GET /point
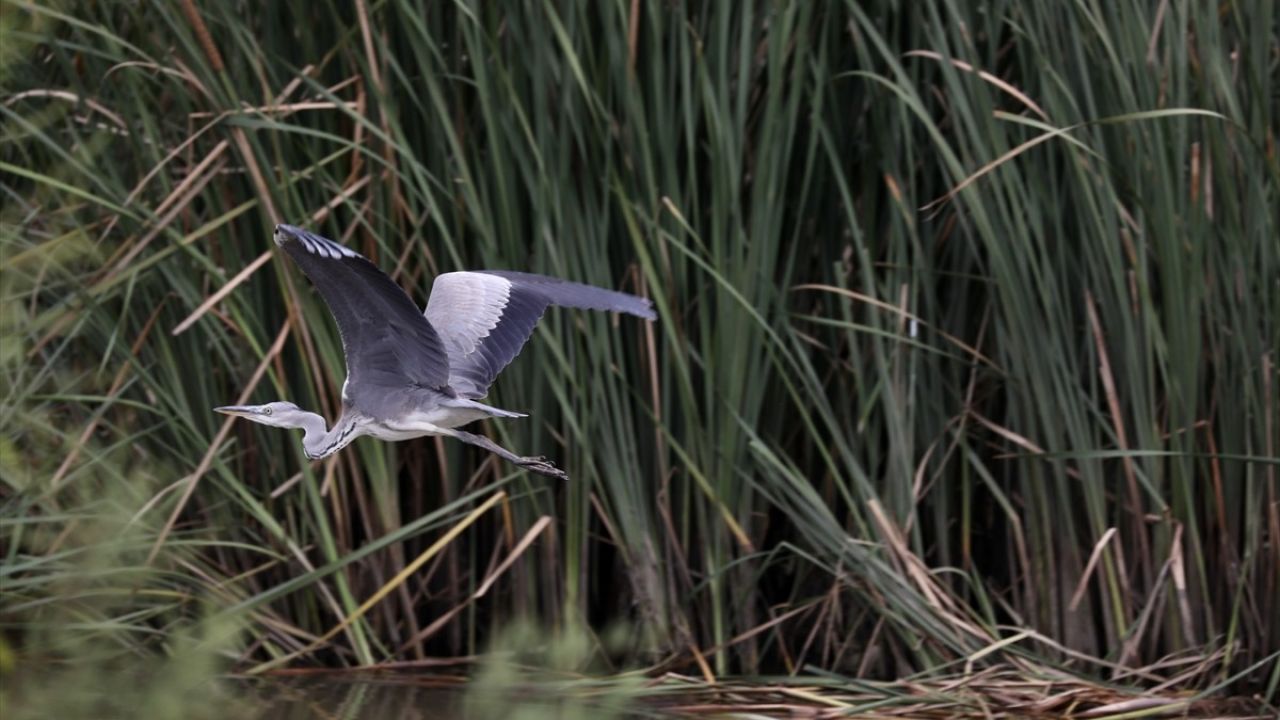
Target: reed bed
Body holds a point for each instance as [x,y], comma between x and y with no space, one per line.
[964,380]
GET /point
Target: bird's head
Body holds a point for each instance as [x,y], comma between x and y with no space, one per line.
[276,414]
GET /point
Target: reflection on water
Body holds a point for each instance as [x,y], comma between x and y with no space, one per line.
[363,697]
[401,696]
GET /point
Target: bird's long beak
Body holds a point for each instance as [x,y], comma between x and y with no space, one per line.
[238,410]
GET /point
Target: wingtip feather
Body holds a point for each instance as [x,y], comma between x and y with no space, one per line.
[315,244]
[646,310]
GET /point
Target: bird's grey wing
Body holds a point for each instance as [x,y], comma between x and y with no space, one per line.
[485,317]
[388,344]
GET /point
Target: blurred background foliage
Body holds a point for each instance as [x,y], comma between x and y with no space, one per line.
[966,353]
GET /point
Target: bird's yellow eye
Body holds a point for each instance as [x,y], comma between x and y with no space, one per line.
[266,411]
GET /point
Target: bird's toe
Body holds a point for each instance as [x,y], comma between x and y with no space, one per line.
[542,466]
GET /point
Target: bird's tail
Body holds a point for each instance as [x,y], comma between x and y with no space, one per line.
[469,404]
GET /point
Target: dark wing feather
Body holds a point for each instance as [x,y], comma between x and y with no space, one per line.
[576,295]
[486,317]
[389,345]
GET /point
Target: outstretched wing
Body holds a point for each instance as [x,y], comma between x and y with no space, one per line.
[486,317]
[388,344]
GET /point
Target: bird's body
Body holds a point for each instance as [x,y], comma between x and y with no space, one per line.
[413,373]
[432,415]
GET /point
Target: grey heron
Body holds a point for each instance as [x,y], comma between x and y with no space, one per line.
[413,373]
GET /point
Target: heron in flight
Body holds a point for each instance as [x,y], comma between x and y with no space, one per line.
[412,373]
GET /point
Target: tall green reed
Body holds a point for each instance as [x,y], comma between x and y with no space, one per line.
[967,322]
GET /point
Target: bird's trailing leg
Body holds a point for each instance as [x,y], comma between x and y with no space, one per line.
[539,465]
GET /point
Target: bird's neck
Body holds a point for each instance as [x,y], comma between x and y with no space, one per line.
[319,443]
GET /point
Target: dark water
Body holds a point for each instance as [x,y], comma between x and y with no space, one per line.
[365,697]
[393,696]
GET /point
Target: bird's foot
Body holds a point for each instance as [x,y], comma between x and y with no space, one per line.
[542,466]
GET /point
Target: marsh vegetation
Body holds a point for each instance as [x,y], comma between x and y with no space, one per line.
[963,392]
